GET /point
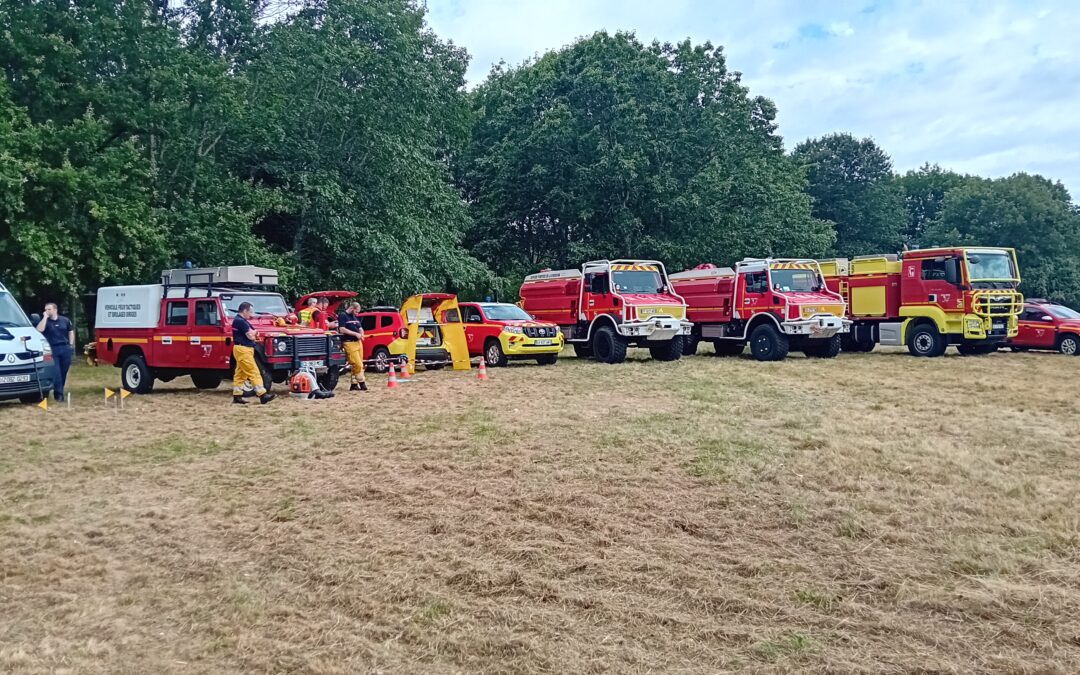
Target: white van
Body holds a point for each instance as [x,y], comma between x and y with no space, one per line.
[26,363]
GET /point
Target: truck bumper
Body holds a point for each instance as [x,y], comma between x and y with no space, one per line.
[657,329]
[522,345]
[978,327]
[817,326]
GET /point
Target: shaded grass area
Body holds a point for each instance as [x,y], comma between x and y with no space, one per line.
[874,513]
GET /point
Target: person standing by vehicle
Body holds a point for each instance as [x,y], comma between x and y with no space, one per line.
[352,341]
[322,318]
[60,335]
[307,314]
[243,352]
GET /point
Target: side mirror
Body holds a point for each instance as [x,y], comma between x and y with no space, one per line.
[35,318]
[1046,317]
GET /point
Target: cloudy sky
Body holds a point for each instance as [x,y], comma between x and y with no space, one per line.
[988,87]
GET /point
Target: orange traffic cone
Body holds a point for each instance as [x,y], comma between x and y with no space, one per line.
[404,371]
[392,382]
[482,373]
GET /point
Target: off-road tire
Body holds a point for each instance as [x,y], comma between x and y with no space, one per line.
[690,344]
[381,357]
[1069,345]
[583,350]
[608,346]
[925,340]
[729,347]
[768,344]
[135,376]
[493,354]
[206,380]
[667,350]
[822,348]
[548,359]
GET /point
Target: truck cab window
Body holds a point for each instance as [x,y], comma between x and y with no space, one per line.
[757,282]
[472,315]
[206,313]
[933,270]
[177,314]
[598,283]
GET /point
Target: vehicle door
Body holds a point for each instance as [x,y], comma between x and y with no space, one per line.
[598,296]
[172,348]
[206,340]
[1036,329]
[474,333]
[938,284]
[754,294]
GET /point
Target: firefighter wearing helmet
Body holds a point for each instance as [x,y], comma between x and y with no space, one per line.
[243,353]
[352,341]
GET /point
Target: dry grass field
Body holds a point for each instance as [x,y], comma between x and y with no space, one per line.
[877,513]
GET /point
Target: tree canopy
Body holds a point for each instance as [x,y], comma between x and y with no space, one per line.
[335,140]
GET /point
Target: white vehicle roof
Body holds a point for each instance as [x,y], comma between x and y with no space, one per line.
[704,274]
[554,274]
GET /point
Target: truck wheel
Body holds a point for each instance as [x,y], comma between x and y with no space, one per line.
[206,380]
[493,354]
[381,356]
[1069,345]
[925,340]
[329,380]
[668,350]
[767,343]
[690,344]
[583,350]
[547,359]
[135,376]
[609,346]
[728,347]
[822,348]
[848,343]
[866,347]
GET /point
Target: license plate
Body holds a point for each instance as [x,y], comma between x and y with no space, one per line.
[11,379]
[316,364]
[998,325]
[542,343]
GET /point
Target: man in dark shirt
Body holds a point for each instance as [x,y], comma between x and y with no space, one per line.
[352,342]
[60,335]
[243,352]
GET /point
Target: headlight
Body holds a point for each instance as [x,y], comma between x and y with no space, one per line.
[518,330]
[281,345]
[974,324]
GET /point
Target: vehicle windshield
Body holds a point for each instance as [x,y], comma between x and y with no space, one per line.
[1063,312]
[505,313]
[993,266]
[262,304]
[638,281]
[795,281]
[11,315]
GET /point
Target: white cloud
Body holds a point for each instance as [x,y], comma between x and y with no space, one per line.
[990,88]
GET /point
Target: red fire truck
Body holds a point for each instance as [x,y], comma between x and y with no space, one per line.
[183,326]
[775,305]
[609,305]
[928,299]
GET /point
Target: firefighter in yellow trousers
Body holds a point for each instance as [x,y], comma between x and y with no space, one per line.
[352,341]
[243,353]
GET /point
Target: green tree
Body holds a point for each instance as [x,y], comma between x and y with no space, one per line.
[610,148]
[852,184]
[924,193]
[1029,213]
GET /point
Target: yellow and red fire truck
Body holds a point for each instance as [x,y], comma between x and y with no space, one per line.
[928,299]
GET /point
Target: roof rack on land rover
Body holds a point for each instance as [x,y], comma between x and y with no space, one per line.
[228,277]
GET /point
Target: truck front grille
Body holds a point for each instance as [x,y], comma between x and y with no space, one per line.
[310,345]
[540,331]
[997,303]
